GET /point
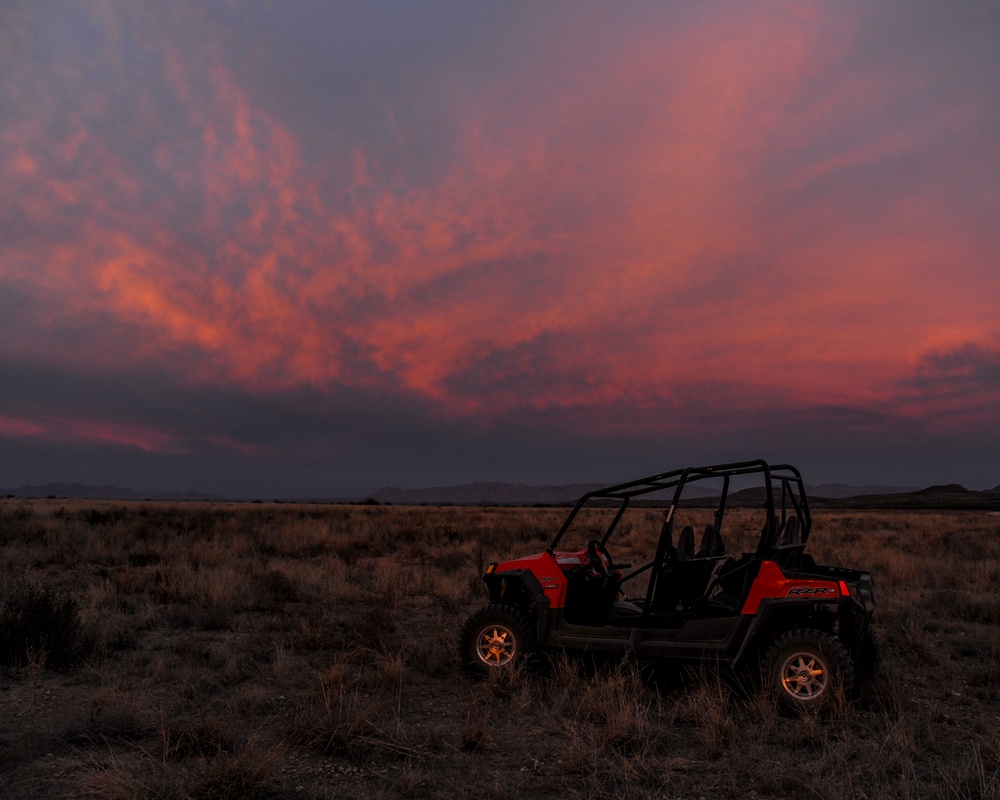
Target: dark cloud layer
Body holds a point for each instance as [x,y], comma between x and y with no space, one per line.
[309,248]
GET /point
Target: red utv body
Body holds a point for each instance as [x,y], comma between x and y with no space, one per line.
[806,626]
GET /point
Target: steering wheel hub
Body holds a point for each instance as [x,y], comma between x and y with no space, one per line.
[600,559]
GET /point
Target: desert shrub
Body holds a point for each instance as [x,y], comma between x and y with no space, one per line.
[38,622]
[274,588]
[204,736]
[342,720]
[451,560]
[251,772]
[108,633]
[98,516]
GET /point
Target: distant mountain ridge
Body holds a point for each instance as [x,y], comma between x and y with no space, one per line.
[502,493]
[840,490]
[950,496]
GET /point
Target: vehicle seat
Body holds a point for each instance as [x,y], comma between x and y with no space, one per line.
[791,533]
[685,544]
[731,582]
[626,608]
[711,543]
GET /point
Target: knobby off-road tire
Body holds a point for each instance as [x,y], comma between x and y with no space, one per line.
[497,637]
[867,659]
[805,669]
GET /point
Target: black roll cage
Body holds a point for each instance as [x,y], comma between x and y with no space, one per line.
[781,476]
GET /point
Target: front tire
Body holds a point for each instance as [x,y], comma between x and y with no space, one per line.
[496,637]
[805,669]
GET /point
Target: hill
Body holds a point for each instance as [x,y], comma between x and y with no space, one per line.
[950,497]
[838,490]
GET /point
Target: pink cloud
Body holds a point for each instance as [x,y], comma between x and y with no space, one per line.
[141,437]
[114,432]
[13,426]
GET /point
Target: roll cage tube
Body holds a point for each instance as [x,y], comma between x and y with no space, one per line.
[785,475]
[792,493]
[624,492]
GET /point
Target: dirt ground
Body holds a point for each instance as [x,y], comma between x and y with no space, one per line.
[309,652]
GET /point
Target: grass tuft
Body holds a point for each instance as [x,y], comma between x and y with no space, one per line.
[38,625]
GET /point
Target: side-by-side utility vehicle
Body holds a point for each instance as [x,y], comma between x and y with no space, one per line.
[806,627]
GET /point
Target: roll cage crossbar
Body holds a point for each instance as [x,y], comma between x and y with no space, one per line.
[784,477]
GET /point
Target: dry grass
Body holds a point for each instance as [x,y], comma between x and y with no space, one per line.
[275,650]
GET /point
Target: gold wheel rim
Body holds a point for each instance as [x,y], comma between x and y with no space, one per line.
[804,676]
[495,645]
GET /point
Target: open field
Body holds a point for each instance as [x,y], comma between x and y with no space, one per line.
[256,650]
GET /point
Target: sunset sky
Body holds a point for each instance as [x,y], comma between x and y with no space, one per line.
[309,248]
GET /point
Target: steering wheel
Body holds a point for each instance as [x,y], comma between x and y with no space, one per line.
[594,548]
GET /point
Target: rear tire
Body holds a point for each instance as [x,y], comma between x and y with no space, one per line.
[868,659]
[869,653]
[805,669]
[496,637]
